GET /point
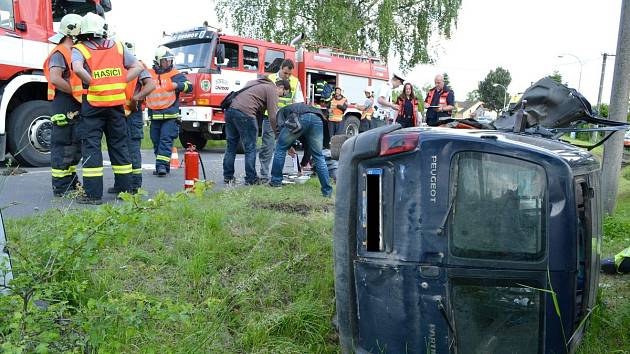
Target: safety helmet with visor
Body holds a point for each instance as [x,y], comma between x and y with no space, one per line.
[94,24]
[70,26]
[163,52]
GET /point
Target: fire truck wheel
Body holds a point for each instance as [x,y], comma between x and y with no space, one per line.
[194,138]
[335,145]
[351,126]
[29,128]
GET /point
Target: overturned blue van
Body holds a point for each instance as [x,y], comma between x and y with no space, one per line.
[458,241]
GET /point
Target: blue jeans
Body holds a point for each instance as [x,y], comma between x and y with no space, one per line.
[239,126]
[266,149]
[313,131]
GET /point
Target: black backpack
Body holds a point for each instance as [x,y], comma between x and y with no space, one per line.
[227,100]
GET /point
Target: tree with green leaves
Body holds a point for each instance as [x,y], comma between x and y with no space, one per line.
[556,76]
[447,80]
[491,91]
[472,96]
[375,27]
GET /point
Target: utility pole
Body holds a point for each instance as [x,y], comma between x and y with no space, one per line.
[601,79]
[618,111]
[601,88]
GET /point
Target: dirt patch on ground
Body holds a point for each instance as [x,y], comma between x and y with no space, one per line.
[291,207]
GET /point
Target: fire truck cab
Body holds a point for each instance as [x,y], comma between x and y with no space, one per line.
[25,26]
[217,64]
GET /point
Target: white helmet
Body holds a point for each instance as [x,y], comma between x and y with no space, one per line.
[162,52]
[70,26]
[93,24]
[369,89]
[399,76]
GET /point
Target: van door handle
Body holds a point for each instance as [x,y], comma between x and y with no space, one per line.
[238,82]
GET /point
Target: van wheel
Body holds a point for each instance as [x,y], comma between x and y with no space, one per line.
[29,129]
[336,142]
[352,125]
[194,138]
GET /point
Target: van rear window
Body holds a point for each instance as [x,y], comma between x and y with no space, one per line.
[498,207]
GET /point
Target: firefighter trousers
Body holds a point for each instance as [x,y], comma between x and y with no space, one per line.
[65,146]
[135,134]
[94,122]
[163,133]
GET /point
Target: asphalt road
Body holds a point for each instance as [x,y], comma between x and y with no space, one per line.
[30,192]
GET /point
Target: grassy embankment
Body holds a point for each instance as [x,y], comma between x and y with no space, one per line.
[239,271]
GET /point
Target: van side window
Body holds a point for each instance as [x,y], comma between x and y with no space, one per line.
[250,58]
[498,208]
[231,53]
[7,17]
[273,59]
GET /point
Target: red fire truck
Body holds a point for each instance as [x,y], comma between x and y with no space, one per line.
[25,26]
[217,64]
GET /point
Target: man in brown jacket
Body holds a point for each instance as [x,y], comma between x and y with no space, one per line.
[241,124]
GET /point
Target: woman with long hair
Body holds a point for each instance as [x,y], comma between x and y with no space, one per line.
[407,107]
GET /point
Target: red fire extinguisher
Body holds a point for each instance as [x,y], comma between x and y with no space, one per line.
[191,161]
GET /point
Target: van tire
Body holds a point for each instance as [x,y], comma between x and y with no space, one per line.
[335,145]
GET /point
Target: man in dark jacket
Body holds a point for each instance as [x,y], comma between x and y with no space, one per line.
[439,103]
[294,121]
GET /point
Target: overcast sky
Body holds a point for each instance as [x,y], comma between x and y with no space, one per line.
[522,37]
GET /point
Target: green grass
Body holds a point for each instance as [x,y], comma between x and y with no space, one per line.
[148,145]
[245,270]
[240,271]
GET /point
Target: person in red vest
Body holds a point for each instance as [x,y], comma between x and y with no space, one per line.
[105,67]
[439,103]
[65,147]
[163,104]
[407,107]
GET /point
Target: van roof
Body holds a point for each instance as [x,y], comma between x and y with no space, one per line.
[577,158]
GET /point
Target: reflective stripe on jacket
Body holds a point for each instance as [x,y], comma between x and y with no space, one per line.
[369,112]
[164,94]
[130,91]
[336,114]
[109,76]
[293,82]
[74,80]
[442,101]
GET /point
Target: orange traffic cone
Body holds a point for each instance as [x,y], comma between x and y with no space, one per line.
[174,159]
